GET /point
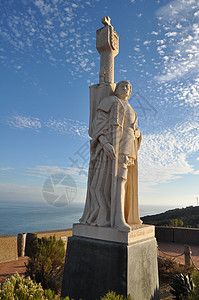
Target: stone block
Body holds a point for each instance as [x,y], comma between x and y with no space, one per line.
[138,232]
[8,248]
[93,267]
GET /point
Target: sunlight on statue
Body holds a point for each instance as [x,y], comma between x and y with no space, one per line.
[112,195]
[112,191]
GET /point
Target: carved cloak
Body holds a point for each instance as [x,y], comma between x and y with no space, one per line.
[102,175]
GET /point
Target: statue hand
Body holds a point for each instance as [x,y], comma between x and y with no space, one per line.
[109,150]
[137,133]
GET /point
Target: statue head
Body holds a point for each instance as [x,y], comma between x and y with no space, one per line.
[123,89]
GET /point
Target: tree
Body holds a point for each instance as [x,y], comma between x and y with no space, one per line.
[176,223]
[46,262]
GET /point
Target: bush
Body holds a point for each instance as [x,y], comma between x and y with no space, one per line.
[113,296]
[176,223]
[182,287]
[195,293]
[17,287]
[46,262]
[169,268]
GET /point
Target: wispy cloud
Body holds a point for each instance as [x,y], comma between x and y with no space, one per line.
[40,29]
[182,43]
[6,169]
[43,171]
[49,170]
[179,50]
[69,127]
[164,156]
[19,121]
[17,192]
[64,126]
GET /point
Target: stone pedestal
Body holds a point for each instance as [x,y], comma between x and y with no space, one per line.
[105,259]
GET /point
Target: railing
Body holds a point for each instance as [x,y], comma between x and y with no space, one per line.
[187,256]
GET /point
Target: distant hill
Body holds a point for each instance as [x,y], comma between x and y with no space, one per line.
[189,216]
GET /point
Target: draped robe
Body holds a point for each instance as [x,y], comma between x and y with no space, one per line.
[103,172]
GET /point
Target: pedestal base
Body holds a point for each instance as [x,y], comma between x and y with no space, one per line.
[93,267]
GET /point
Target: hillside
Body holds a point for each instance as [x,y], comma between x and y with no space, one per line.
[189,216]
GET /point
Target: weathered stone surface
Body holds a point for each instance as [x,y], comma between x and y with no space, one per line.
[8,242]
[143,283]
[94,267]
[112,189]
[138,232]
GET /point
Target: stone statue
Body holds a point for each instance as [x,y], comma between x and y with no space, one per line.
[112,191]
[111,208]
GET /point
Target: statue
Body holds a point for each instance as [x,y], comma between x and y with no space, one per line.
[112,191]
[109,248]
[112,194]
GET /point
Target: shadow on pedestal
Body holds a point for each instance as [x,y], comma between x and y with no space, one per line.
[94,267]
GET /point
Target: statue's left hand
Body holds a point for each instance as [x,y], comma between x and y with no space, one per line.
[137,133]
[109,150]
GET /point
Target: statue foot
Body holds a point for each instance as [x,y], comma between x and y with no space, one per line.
[123,226]
[82,221]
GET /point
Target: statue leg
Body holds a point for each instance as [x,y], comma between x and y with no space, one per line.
[132,207]
[120,221]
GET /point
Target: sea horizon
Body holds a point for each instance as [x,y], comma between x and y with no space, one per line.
[23,217]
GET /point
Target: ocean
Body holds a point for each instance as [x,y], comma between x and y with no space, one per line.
[23,217]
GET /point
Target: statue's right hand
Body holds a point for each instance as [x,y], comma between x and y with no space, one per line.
[109,150]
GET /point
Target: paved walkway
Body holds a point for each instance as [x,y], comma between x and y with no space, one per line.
[9,268]
[176,249]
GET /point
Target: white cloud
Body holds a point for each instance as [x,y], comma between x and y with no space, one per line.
[164,156]
[64,126]
[43,171]
[183,46]
[180,58]
[6,169]
[61,28]
[17,192]
[146,42]
[68,127]
[168,34]
[177,9]
[20,121]
[154,32]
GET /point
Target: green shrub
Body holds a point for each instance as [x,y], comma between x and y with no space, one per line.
[195,294]
[17,287]
[113,296]
[182,286]
[169,268]
[46,262]
[176,223]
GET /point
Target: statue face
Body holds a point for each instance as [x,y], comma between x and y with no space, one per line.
[123,90]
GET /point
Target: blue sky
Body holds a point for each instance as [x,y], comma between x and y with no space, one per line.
[48,60]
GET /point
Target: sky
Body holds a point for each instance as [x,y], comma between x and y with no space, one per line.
[49,60]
